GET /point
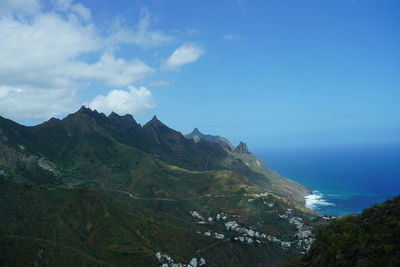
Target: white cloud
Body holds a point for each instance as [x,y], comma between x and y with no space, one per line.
[183,55]
[113,71]
[44,54]
[133,101]
[31,52]
[35,103]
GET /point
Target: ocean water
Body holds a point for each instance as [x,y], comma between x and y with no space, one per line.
[344,180]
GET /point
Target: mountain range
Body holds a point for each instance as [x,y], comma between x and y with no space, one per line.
[92,189]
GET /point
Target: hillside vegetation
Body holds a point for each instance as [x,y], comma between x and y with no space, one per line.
[369,239]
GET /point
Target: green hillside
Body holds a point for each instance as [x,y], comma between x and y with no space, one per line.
[106,190]
[84,224]
[369,239]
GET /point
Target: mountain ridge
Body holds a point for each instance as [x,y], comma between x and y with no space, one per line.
[150,170]
[155,138]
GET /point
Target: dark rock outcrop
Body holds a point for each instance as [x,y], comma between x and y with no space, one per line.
[242,148]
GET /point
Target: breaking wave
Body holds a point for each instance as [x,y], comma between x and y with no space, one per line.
[315,200]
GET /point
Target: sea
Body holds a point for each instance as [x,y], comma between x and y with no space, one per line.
[343,179]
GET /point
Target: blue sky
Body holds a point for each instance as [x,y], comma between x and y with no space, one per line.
[271,73]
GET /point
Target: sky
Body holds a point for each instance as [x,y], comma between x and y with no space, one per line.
[273,73]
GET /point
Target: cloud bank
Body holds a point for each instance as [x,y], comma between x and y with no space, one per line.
[49,54]
[133,101]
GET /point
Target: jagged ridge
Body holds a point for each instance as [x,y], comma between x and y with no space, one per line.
[56,139]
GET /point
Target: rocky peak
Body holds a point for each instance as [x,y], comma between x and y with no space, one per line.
[114,116]
[198,135]
[161,133]
[242,148]
[84,109]
[85,116]
[53,121]
[195,135]
[196,131]
[125,120]
[154,122]
[88,111]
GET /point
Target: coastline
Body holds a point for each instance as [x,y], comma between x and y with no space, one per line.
[336,205]
[345,180]
[315,200]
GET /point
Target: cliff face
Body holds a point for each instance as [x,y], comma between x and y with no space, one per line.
[242,148]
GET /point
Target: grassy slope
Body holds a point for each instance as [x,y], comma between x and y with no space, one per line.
[86,222]
[278,184]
